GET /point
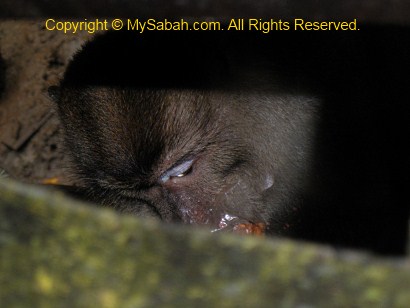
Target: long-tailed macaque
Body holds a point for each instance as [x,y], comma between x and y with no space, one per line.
[298,134]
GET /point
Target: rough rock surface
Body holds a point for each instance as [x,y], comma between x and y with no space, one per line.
[58,253]
[33,59]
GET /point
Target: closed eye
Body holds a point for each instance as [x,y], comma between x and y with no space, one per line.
[178,171]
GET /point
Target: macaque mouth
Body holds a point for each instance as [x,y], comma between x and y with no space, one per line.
[240,226]
[223,222]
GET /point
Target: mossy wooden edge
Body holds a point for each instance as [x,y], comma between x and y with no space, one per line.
[55,252]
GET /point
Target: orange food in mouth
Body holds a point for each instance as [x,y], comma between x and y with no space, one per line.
[250,228]
[239,225]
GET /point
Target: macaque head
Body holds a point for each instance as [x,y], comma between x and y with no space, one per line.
[163,137]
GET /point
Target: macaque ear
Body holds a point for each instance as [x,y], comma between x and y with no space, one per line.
[54,93]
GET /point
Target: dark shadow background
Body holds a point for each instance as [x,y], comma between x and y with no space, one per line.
[363,149]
